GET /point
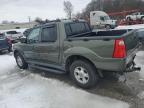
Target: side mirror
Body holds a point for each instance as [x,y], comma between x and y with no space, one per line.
[23,40]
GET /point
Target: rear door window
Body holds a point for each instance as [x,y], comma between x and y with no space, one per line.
[33,37]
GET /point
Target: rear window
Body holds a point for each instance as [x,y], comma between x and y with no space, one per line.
[27,32]
[76,28]
[141,33]
[11,32]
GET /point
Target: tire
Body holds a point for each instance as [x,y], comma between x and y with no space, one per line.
[21,63]
[88,74]
[10,49]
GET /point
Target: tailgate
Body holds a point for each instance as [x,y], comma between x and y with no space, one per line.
[132,43]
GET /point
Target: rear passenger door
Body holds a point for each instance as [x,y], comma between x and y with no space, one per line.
[48,48]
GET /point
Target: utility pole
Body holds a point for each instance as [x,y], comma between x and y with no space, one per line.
[101,5]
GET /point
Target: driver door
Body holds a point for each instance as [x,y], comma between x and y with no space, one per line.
[32,39]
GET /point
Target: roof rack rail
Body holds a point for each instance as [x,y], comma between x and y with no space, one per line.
[47,21]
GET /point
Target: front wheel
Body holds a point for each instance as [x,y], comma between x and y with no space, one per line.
[20,61]
[83,74]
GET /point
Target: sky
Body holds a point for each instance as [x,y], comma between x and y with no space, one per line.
[19,10]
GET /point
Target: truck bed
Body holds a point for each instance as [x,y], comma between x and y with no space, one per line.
[102,44]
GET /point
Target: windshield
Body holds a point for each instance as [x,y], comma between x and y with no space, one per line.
[106,17]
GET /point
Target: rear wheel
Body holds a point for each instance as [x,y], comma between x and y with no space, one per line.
[108,27]
[21,63]
[83,74]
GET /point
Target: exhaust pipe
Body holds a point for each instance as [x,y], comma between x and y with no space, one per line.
[132,68]
[137,68]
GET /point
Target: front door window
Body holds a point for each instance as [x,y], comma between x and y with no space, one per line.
[34,36]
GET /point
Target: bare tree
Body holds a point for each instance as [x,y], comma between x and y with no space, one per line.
[68,8]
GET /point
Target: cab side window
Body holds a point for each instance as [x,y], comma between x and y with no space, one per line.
[49,34]
[33,37]
[102,18]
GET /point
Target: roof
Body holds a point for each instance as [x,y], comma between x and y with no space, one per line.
[98,13]
[58,21]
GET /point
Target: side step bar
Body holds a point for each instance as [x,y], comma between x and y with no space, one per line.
[47,69]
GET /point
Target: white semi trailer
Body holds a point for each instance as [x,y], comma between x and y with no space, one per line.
[100,19]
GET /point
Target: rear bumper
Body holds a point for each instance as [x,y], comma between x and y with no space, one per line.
[124,64]
[5,48]
[117,65]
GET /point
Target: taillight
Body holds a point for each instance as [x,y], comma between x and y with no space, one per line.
[120,49]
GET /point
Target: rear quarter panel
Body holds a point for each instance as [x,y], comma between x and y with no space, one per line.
[100,52]
[102,49]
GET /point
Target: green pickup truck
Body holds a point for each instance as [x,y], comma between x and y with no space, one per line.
[70,46]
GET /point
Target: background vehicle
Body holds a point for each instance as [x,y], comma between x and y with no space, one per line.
[14,36]
[5,43]
[26,32]
[140,34]
[102,20]
[135,16]
[70,46]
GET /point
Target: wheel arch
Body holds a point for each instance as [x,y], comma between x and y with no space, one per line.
[18,51]
[15,52]
[73,58]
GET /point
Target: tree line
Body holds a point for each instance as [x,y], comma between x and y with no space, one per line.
[108,6]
